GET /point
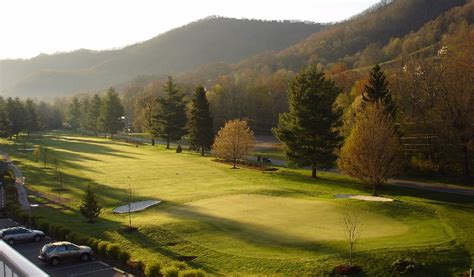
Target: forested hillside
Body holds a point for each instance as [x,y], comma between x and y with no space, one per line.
[256,87]
[203,42]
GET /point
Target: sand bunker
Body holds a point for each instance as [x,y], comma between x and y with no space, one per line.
[364,197]
[136,206]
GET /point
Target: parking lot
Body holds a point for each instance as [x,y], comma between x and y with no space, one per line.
[93,268]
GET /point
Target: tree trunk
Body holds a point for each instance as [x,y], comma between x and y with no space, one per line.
[202,151]
[152,140]
[350,253]
[465,152]
[374,192]
[235,160]
[313,170]
[167,143]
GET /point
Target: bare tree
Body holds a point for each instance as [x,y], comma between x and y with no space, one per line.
[234,141]
[352,228]
[146,108]
[372,152]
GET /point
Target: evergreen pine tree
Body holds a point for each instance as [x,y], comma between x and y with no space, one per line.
[85,106]
[74,114]
[93,114]
[90,208]
[17,115]
[31,123]
[5,123]
[377,91]
[200,122]
[308,130]
[170,119]
[111,113]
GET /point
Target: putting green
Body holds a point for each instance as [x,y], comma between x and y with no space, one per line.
[251,224]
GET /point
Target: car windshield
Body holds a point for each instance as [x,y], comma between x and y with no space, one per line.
[47,249]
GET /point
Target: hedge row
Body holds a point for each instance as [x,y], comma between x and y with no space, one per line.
[105,249]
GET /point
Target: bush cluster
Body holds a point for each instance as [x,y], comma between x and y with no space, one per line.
[344,270]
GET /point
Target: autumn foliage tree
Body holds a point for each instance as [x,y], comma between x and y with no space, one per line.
[234,141]
[372,152]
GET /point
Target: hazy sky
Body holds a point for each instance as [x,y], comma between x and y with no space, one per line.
[31,27]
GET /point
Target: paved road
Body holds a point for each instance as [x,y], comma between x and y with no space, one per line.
[93,268]
[22,195]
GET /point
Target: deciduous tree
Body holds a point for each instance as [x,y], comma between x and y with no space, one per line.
[234,141]
[372,152]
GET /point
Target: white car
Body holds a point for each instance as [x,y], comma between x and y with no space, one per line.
[14,234]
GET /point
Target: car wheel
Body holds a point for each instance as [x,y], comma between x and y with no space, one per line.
[54,261]
[11,241]
[37,238]
[85,257]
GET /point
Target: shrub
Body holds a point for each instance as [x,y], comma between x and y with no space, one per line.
[78,238]
[170,271]
[43,225]
[63,233]
[153,270]
[179,149]
[346,270]
[23,217]
[102,248]
[404,266]
[138,265]
[179,265]
[123,256]
[112,251]
[92,242]
[192,273]
[10,190]
[35,219]
[56,230]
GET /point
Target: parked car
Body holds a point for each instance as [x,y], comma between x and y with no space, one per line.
[56,252]
[14,234]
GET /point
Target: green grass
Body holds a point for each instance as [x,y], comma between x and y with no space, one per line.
[244,222]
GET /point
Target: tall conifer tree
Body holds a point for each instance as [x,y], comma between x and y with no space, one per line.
[308,130]
[93,114]
[17,115]
[5,123]
[170,119]
[377,90]
[31,123]
[74,114]
[90,208]
[111,113]
[200,122]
